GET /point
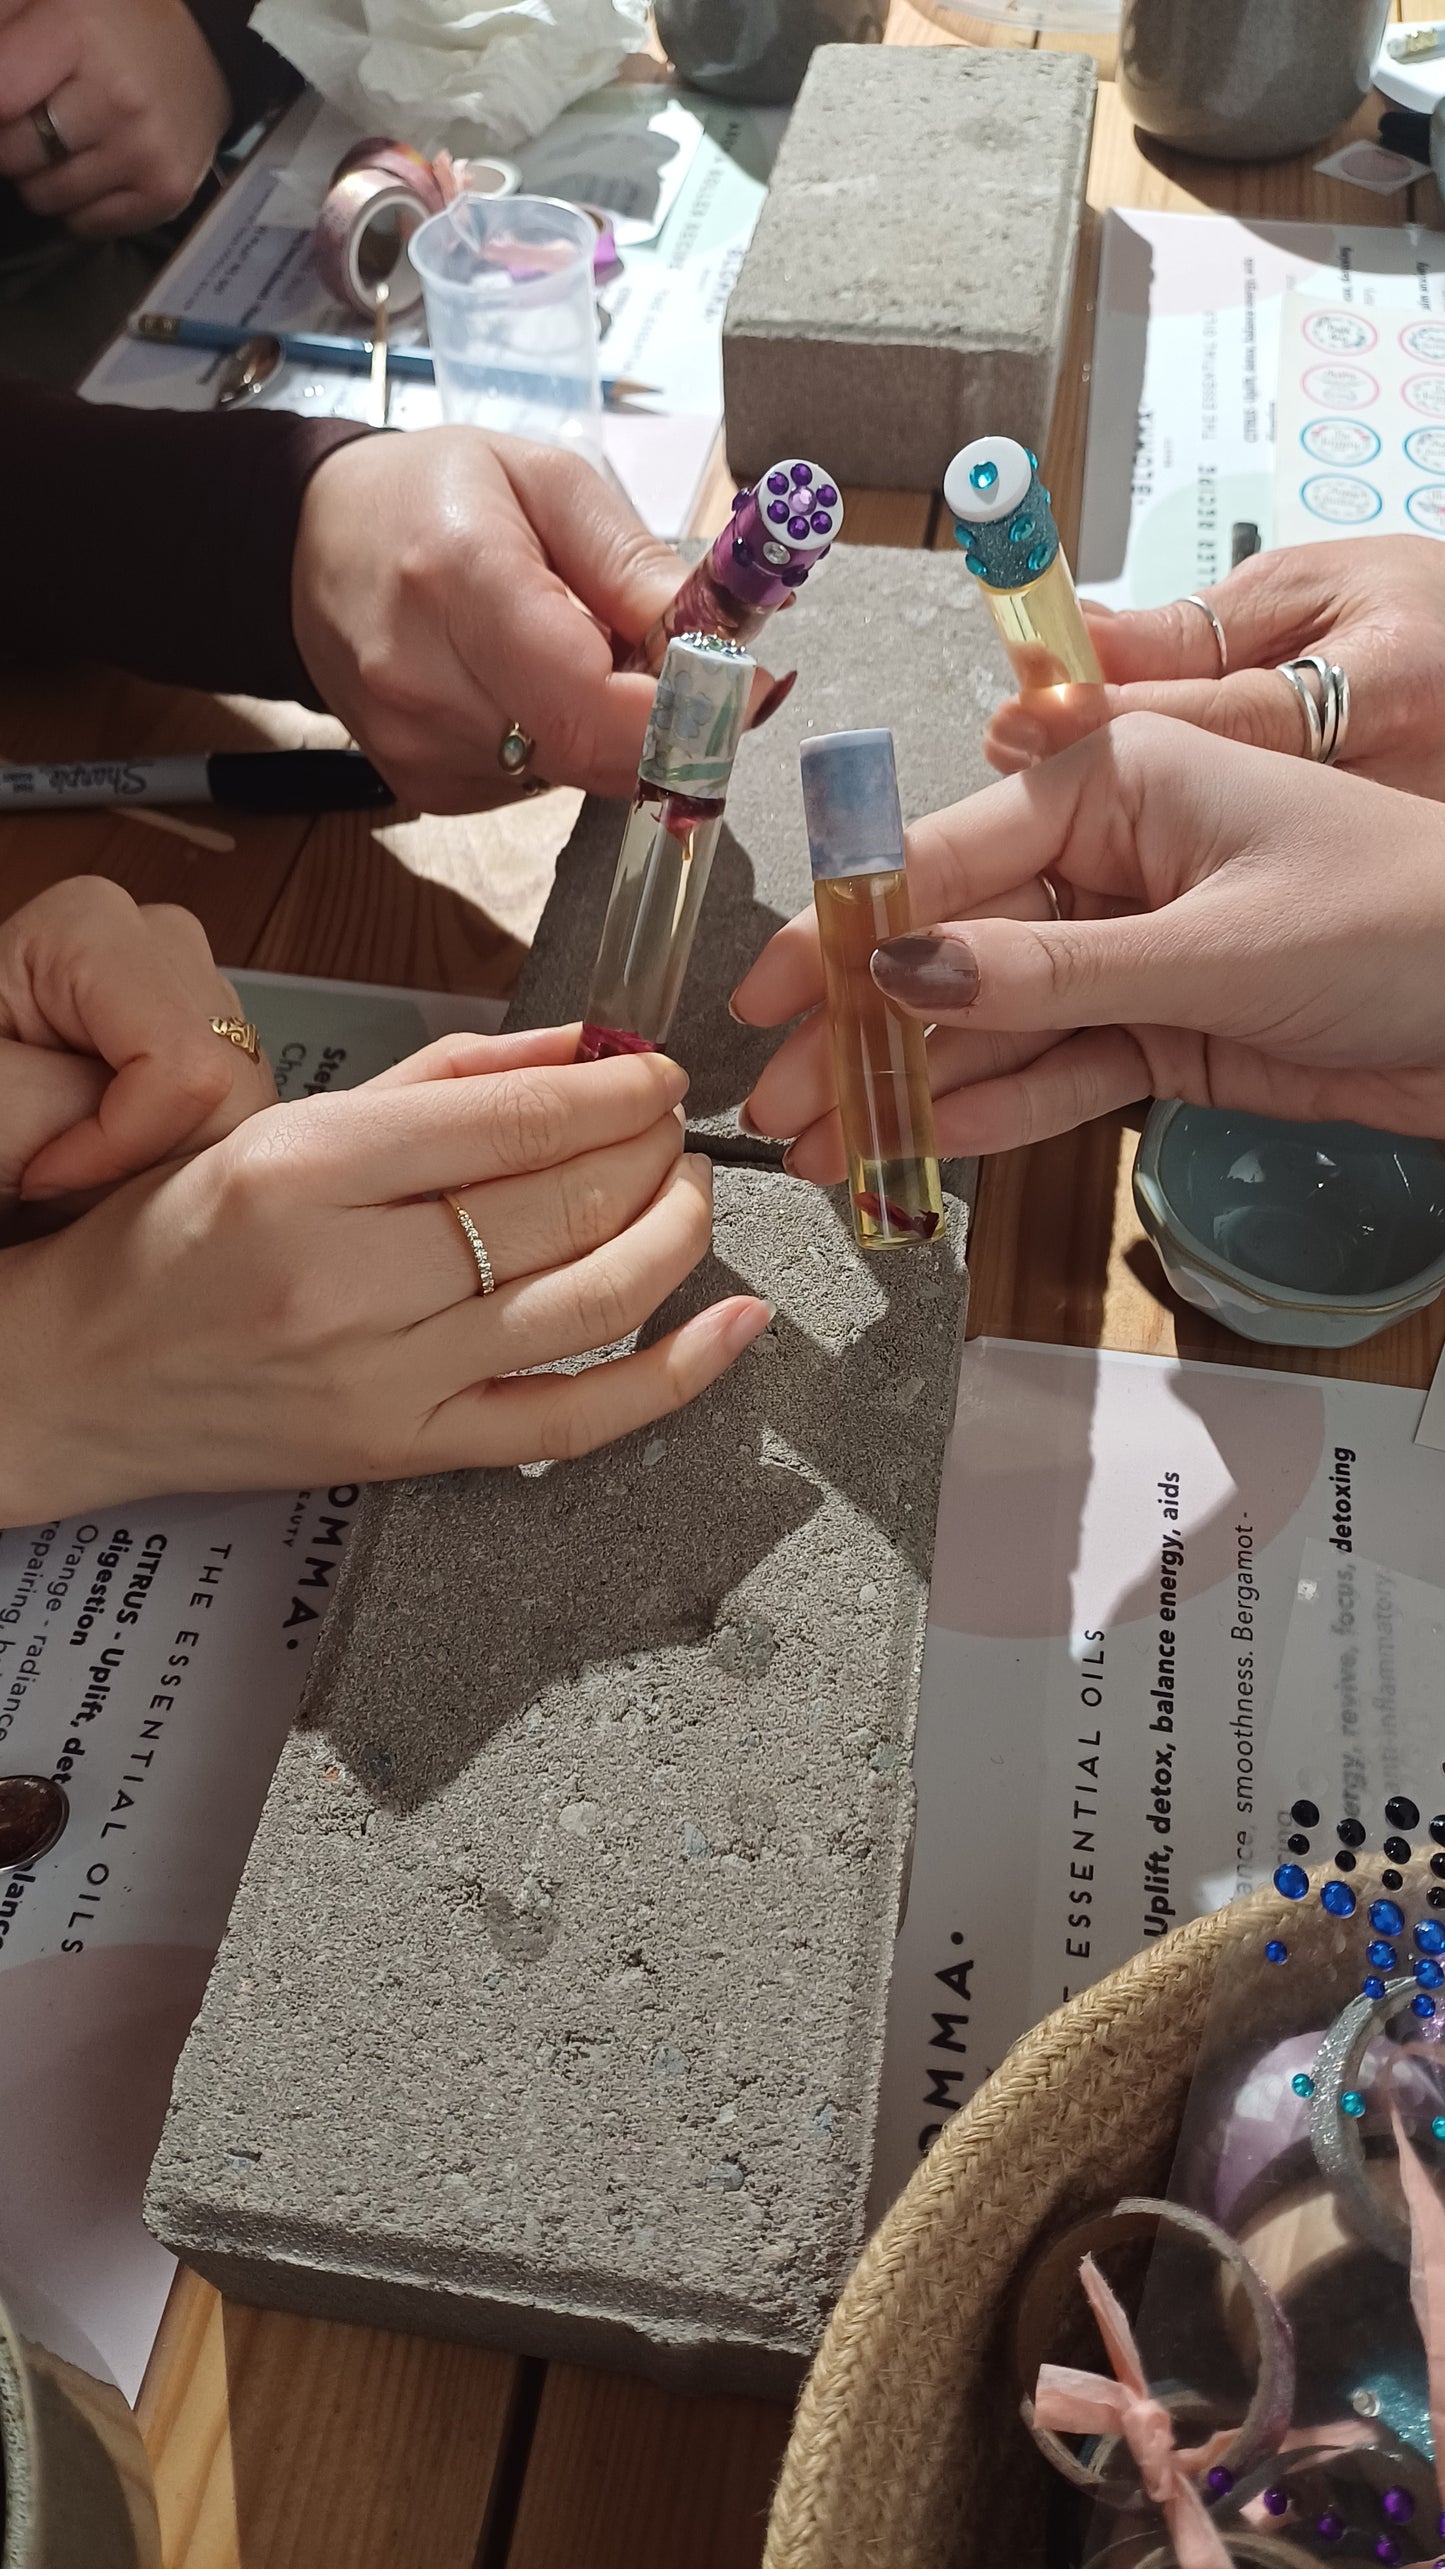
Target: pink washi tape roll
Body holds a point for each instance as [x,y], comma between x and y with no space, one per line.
[400,161]
[361,239]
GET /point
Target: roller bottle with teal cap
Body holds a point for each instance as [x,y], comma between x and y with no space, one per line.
[1004,522]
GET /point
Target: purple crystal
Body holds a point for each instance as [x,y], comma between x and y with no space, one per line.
[738,499]
[821,522]
[1330,2527]
[802,475]
[777,481]
[1219,2482]
[1398,2505]
[798,527]
[1275,2501]
[793,579]
[778,512]
[825,495]
[1388,2550]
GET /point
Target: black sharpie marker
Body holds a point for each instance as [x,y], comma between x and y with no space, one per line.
[264,780]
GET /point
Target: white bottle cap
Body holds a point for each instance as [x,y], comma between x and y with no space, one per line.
[697,716]
[988,480]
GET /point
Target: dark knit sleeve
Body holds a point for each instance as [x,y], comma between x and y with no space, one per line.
[157,540]
[257,77]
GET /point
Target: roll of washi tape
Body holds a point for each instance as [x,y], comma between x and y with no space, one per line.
[486,178]
[361,240]
[399,161]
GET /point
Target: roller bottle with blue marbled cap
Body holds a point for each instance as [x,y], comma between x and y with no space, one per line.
[667,847]
[1003,520]
[860,894]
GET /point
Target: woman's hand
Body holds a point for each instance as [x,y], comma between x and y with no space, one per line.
[108,1060]
[448,584]
[1237,930]
[135,96]
[1376,605]
[296,1305]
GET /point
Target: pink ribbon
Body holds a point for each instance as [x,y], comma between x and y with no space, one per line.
[1072,2402]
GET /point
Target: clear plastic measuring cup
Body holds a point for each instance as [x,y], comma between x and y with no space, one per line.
[512,317]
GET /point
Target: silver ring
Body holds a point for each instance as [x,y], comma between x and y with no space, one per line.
[1215,626]
[52,142]
[1323,694]
[486,1281]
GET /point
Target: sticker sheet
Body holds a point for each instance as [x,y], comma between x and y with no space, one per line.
[1361,422]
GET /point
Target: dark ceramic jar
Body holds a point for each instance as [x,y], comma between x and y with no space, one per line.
[758,50]
[1246,80]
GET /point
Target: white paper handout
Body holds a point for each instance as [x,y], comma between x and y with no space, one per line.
[1182,428]
[152,1658]
[1361,445]
[1119,1548]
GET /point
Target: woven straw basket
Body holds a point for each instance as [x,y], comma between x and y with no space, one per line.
[908,2451]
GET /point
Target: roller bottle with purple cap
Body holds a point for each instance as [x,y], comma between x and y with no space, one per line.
[778,532]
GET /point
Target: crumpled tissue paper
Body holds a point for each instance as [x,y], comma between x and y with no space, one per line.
[467,75]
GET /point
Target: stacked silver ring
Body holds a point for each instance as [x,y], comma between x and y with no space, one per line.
[1323,691]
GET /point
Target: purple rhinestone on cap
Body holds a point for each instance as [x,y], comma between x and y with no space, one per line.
[1388,2550]
[778,482]
[1329,2526]
[821,522]
[1275,2501]
[825,495]
[1397,2504]
[802,475]
[778,512]
[1219,2482]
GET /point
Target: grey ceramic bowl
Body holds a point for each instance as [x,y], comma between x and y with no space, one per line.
[1300,1235]
[1246,80]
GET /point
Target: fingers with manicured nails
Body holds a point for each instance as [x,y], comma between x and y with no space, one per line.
[529,1224]
[591,1302]
[403,1142]
[543,1418]
[478,1056]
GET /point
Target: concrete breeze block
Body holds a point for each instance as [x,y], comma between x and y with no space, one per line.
[551,2009]
[908,284]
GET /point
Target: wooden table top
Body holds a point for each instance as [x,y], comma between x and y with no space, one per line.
[286,2443]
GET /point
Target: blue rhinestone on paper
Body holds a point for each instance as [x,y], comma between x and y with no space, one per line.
[1380,1956]
[1339,1899]
[1387,1917]
[1430,1936]
[1429,1974]
[1292,1882]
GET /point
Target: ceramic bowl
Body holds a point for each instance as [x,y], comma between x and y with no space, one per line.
[1299,1235]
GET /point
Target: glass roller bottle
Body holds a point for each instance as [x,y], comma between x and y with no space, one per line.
[667,846]
[860,894]
[778,532]
[1004,522]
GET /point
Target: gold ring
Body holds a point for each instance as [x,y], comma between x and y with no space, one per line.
[486,1281]
[514,756]
[240,1032]
[52,143]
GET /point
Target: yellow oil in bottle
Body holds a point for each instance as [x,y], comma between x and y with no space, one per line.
[882,1067]
[1043,632]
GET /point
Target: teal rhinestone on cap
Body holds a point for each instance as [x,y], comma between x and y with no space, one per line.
[984,475]
[1020,531]
[1039,558]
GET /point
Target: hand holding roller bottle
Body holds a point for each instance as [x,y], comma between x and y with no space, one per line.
[778,532]
[1004,522]
[667,847]
[860,894]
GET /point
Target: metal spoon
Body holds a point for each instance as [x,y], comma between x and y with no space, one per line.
[248,370]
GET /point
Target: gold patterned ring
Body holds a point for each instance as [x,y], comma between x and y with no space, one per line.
[240,1032]
[486,1281]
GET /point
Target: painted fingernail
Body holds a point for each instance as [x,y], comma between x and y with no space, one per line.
[927,972]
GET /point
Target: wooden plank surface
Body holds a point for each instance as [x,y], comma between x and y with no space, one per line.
[286,2443]
[625,2476]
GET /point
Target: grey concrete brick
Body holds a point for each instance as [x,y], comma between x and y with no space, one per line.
[551,2009]
[908,284]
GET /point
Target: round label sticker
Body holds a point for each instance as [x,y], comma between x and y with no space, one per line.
[1340,334]
[1427,507]
[1426,447]
[1340,387]
[1341,499]
[1342,441]
[1427,393]
[1425,340]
